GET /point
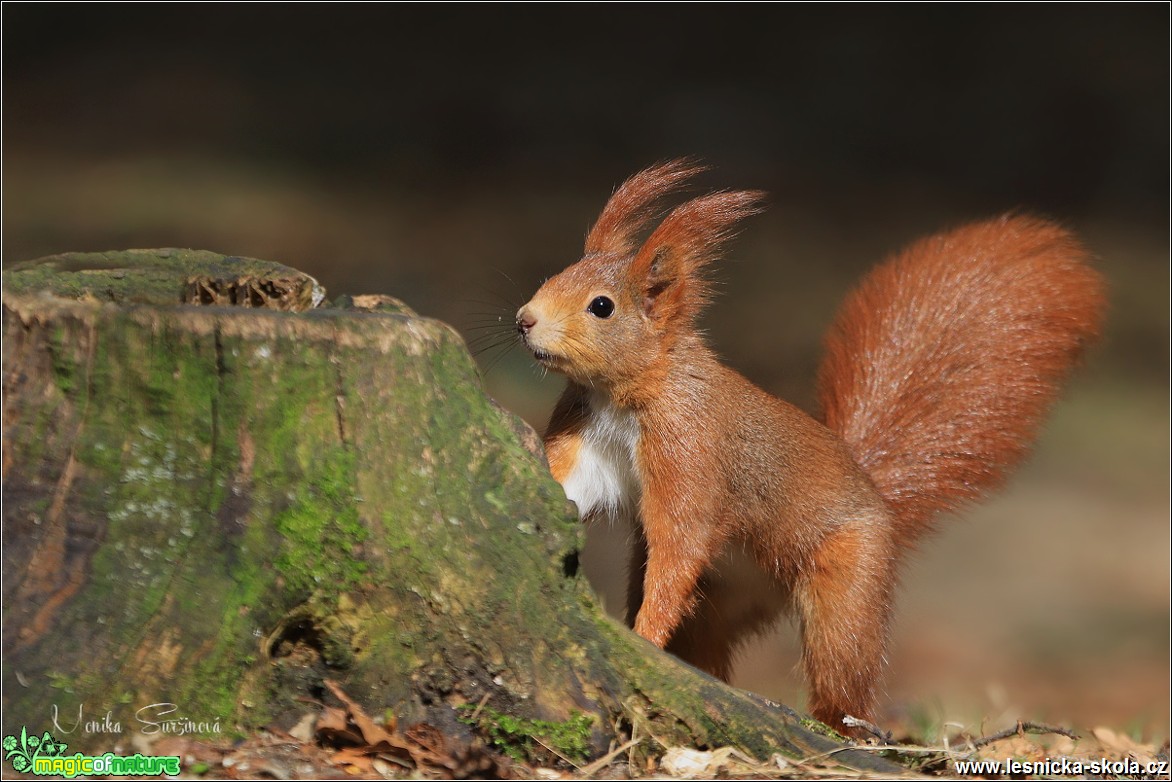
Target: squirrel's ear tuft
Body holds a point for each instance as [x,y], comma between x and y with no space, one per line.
[668,269]
[634,203]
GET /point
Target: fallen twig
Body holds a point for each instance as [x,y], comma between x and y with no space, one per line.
[873,729]
[594,767]
[1020,729]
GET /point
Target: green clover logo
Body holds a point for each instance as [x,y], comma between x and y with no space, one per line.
[23,751]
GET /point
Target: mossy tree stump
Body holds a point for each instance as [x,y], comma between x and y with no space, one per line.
[217,494]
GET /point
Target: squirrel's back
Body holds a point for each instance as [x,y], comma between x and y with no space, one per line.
[941,364]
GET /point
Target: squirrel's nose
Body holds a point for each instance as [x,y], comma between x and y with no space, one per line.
[525,320]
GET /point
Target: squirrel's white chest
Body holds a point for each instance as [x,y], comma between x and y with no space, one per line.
[604,478]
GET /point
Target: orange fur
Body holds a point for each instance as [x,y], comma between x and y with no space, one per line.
[632,207]
[562,448]
[668,268]
[938,371]
[968,336]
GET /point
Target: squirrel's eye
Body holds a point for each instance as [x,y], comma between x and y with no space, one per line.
[601,307]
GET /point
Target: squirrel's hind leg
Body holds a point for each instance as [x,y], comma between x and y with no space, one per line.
[844,604]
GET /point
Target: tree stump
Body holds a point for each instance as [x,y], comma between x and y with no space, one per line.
[218,495]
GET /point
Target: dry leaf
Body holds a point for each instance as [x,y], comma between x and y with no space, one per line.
[353,760]
[1121,747]
[333,728]
[420,747]
[372,732]
[303,730]
[694,763]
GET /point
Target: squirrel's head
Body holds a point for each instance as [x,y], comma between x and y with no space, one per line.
[607,319]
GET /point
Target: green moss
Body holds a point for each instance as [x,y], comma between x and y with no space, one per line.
[321,531]
[59,681]
[65,369]
[217,695]
[529,739]
[822,729]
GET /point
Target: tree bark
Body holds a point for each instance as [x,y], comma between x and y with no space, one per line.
[220,507]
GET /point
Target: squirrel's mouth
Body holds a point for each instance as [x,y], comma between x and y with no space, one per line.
[543,357]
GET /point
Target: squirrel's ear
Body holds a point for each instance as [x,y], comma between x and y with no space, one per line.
[633,206]
[667,270]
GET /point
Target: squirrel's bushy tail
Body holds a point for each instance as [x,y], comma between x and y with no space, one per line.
[942,363]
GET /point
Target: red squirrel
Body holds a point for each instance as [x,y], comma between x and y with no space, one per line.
[937,373]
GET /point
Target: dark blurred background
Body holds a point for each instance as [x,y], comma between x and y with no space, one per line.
[455,155]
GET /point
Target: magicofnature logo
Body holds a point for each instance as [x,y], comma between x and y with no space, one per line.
[32,754]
